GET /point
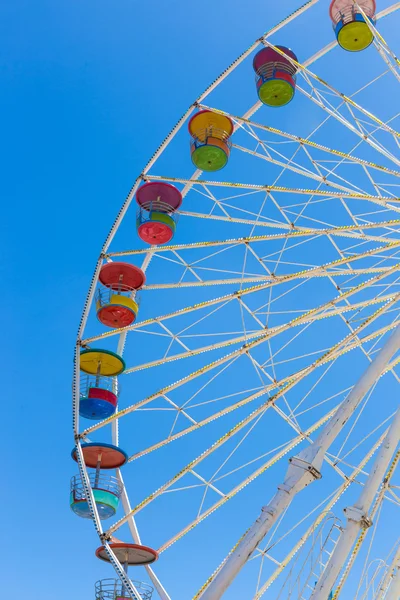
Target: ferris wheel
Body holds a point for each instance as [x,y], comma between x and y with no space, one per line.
[243,313]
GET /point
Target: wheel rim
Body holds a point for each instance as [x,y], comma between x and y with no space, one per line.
[239,204]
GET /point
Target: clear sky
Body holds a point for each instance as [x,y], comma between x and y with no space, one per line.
[88,91]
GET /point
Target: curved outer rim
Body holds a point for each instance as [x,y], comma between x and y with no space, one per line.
[115,465]
[125,265]
[117,545]
[206,110]
[148,184]
[123,210]
[114,354]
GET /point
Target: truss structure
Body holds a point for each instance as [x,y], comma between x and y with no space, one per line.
[281,287]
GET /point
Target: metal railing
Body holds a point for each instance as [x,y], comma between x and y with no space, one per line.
[105,294]
[119,286]
[268,70]
[113,589]
[157,206]
[110,384]
[348,14]
[201,136]
[98,481]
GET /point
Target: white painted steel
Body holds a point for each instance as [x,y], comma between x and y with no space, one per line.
[297,464]
[393,572]
[319,519]
[357,515]
[394,590]
[303,470]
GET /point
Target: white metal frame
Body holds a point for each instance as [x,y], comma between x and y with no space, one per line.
[313,458]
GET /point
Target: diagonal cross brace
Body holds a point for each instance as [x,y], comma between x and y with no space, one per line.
[303,469]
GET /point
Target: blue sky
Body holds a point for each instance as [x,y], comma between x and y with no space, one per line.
[89,90]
